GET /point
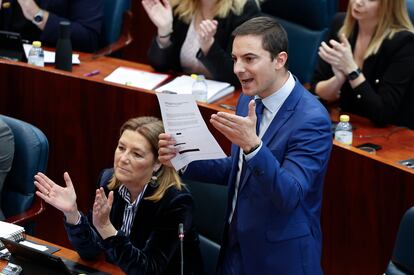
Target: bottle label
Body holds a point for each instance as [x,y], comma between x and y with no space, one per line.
[200,95]
[344,137]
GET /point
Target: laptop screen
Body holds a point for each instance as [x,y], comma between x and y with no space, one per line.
[34,261]
[11,46]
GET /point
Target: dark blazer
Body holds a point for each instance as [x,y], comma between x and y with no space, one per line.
[153,245]
[280,196]
[387,95]
[85,17]
[218,61]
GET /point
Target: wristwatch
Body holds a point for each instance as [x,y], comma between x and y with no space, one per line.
[38,17]
[354,74]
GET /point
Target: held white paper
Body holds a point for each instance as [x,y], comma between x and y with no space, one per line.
[182,119]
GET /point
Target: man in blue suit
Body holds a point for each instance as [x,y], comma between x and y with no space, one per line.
[39,20]
[275,173]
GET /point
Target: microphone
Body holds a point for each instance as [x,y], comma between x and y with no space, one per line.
[181,238]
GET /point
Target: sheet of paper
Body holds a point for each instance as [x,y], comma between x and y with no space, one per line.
[136,78]
[183,85]
[182,119]
[34,245]
[50,56]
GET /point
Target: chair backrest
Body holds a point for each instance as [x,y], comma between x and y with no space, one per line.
[30,156]
[402,261]
[306,23]
[410,8]
[210,202]
[113,18]
[313,14]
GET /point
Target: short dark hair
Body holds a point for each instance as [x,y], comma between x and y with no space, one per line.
[274,36]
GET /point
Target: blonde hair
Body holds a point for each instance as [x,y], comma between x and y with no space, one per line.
[185,9]
[150,128]
[393,18]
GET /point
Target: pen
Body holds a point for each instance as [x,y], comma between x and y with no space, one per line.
[94,72]
[228,107]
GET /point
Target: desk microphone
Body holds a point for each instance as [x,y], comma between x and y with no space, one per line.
[181,238]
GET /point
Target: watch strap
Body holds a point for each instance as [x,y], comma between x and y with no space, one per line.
[38,17]
[354,74]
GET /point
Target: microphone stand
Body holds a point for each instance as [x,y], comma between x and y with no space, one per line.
[181,238]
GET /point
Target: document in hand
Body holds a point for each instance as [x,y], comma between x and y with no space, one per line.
[182,119]
[136,78]
[183,85]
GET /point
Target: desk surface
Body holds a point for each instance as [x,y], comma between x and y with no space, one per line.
[365,195]
[69,254]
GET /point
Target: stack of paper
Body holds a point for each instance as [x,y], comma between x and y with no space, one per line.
[183,85]
[11,231]
[136,78]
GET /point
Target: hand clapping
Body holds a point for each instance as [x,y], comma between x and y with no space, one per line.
[62,198]
[339,56]
[205,34]
[160,13]
[100,213]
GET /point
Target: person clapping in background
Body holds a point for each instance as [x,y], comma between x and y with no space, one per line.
[194,36]
[367,62]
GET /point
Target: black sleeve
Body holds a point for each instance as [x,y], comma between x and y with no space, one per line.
[323,70]
[162,243]
[164,59]
[382,102]
[86,24]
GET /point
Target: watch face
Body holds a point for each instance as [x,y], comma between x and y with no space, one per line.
[354,75]
[38,18]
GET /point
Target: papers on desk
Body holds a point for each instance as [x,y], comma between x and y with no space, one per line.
[136,78]
[49,55]
[183,85]
[182,119]
[12,232]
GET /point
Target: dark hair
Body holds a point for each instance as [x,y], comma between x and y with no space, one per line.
[274,37]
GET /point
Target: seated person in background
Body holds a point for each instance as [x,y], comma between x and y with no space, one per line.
[6,155]
[194,36]
[367,65]
[137,210]
[39,20]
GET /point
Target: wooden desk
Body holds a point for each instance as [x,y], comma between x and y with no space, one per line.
[364,197]
[69,254]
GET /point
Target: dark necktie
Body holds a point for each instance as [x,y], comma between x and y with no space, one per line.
[259,113]
[232,227]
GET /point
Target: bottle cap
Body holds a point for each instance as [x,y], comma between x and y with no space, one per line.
[344,118]
[194,76]
[37,44]
[64,29]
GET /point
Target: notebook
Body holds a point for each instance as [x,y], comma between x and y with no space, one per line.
[36,262]
[12,232]
[11,46]
[183,85]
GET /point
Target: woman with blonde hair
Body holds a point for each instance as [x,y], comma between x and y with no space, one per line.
[367,63]
[138,207]
[194,36]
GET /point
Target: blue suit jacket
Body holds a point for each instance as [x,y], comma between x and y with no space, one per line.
[280,196]
[85,17]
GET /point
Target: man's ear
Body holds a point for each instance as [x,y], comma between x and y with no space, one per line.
[281,59]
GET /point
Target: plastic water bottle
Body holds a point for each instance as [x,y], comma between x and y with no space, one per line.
[199,89]
[36,55]
[343,131]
